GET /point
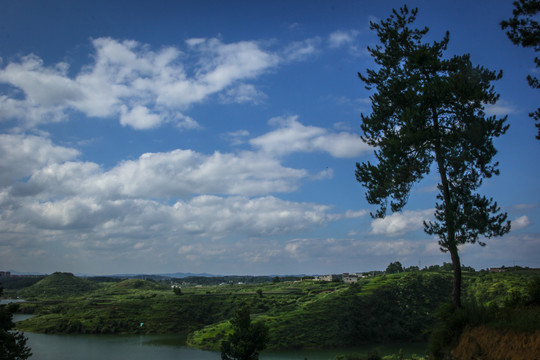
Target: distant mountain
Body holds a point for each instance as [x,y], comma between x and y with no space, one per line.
[159,276]
[183,275]
[19,273]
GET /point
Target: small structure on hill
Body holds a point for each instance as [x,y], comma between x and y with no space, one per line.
[327,277]
[349,278]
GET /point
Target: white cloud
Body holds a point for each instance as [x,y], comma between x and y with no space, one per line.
[44,86]
[400,223]
[129,81]
[139,118]
[110,224]
[178,173]
[243,93]
[22,155]
[522,207]
[237,137]
[327,173]
[301,50]
[346,249]
[150,206]
[501,108]
[216,217]
[394,248]
[521,222]
[292,136]
[340,38]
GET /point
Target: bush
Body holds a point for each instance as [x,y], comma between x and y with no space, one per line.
[450,323]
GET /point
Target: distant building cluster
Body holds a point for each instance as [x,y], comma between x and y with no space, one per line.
[326,278]
[345,277]
[5,274]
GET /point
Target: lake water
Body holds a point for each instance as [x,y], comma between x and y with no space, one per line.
[143,347]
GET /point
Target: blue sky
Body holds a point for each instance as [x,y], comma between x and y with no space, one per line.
[222,137]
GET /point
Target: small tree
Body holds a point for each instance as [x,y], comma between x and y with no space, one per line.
[431,110]
[524,29]
[246,339]
[12,343]
[394,268]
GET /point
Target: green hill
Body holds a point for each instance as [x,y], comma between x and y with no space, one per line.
[388,308]
[135,284]
[299,314]
[58,284]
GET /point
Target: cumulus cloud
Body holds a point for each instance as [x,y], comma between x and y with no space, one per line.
[400,223]
[179,202]
[202,217]
[44,86]
[139,117]
[178,173]
[22,155]
[292,136]
[351,248]
[129,81]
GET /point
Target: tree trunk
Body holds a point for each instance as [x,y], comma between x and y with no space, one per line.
[449,216]
[456,285]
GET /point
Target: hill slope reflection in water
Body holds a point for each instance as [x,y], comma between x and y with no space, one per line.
[143,347]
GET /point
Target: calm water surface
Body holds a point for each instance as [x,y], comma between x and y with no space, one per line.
[165,347]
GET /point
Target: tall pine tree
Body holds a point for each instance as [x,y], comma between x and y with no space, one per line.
[428,110]
[523,29]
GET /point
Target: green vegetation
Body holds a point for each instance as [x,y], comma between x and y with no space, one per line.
[246,339]
[504,302]
[428,108]
[58,285]
[298,314]
[12,343]
[524,30]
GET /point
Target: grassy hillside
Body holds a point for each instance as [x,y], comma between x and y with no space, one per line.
[386,308]
[58,285]
[299,314]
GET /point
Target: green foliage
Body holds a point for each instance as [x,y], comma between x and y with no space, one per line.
[16,282]
[524,29]
[509,289]
[137,284]
[177,291]
[298,314]
[430,109]
[396,307]
[394,267]
[246,340]
[500,300]
[12,343]
[450,323]
[373,356]
[58,285]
